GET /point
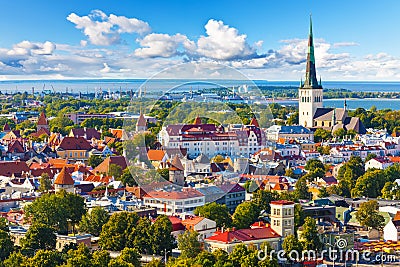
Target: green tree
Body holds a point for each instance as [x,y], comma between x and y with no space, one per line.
[323,192]
[39,236]
[16,259]
[370,184]
[100,258]
[391,191]
[298,215]
[126,178]
[60,125]
[45,258]
[56,210]
[348,174]
[189,244]
[291,243]
[116,232]
[245,214]
[293,119]
[161,238]
[368,215]
[340,133]
[267,261]
[94,161]
[164,173]
[301,190]
[6,245]
[218,159]
[310,235]
[141,236]
[4,224]
[155,263]
[321,134]
[115,171]
[262,198]
[128,257]
[45,182]
[93,221]
[313,164]
[216,212]
[205,259]
[289,173]
[80,257]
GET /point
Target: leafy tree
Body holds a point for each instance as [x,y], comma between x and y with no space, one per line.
[324,150]
[141,236]
[323,192]
[391,190]
[245,214]
[243,256]
[116,232]
[6,245]
[205,259]
[348,174]
[155,263]
[293,119]
[370,184]
[45,182]
[368,215]
[161,238]
[55,210]
[189,244]
[80,257]
[291,243]
[93,221]
[216,212]
[313,164]
[301,190]
[164,173]
[4,224]
[289,173]
[268,261]
[115,171]
[392,173]
[60,125]
[128,257]
[100,258]
[340,133]
[218,159]
[94,161]
[322,134]
[262,198]
[310,235]
[16,259]
[39,236]
[126,178]
[298,215]
[46,258]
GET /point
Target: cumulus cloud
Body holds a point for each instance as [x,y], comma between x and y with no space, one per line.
[163,45]
[106,30]
[224,42]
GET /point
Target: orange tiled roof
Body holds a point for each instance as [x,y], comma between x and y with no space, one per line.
[155,155]
[64,178]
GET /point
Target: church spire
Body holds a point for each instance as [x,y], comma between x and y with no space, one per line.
[311,74]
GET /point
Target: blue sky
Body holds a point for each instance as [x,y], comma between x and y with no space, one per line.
[355,40]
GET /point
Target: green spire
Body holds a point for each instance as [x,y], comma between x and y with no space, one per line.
[311,74]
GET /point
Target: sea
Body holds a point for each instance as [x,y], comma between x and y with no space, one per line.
[158,87]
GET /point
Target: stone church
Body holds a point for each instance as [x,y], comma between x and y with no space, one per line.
[312,113]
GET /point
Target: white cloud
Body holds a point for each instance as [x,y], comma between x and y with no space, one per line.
[106,68]
[105,30]
[163,45]
[223,42]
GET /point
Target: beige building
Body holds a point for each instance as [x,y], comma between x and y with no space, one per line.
[282,217]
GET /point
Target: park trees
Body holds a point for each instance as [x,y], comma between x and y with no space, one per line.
[216,212]
[245,214]
[368,215]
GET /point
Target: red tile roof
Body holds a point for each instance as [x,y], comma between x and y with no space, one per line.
[282,202]
[104,167]
[254,122]
[74,143]
[176,224]
[243,235]
[64,178]
[141,121]
[155,155]
[88,133]
[42,119]
[8,168]
[176,164]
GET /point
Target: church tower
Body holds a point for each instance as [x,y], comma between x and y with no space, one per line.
[310,92]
